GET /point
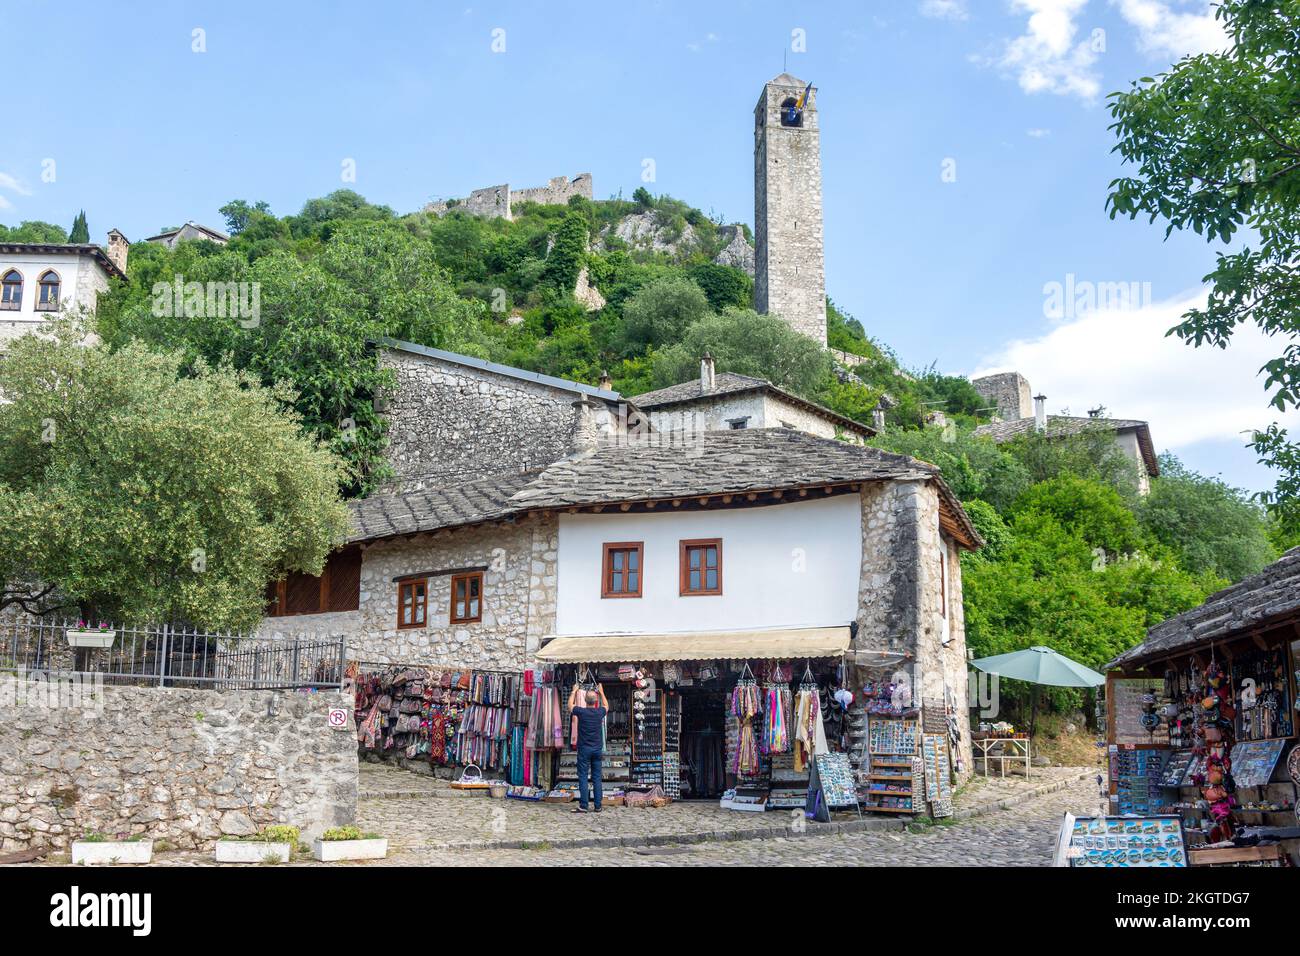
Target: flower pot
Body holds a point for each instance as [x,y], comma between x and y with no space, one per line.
[90,638]
[330,851]
[112,851]
[251,851]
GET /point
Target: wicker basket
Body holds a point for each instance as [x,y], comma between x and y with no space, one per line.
[497,791]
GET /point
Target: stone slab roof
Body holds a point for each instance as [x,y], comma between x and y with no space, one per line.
[707,463]
[733,383]
[1061,425]
[469,361]
[1256,601]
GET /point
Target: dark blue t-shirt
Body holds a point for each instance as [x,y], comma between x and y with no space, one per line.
[590,721]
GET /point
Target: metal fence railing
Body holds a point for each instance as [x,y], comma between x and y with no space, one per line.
[175,656]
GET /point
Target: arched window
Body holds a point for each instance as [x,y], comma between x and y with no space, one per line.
[11,291]
[791,113]
[47,295]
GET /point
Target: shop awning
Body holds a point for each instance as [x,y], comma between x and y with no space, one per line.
[697,646]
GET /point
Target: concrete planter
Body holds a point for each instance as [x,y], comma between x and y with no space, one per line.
[100,640]
[331,851]
[251,851]
[112,851]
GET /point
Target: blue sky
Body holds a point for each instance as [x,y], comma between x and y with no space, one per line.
[145,133]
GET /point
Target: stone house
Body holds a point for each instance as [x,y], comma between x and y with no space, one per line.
[530,517]
[714,402]
[191,231]
[40,280]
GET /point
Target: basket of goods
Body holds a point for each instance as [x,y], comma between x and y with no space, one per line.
[497,789]
[471,778]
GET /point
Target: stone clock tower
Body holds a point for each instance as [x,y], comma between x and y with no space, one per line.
[789,265]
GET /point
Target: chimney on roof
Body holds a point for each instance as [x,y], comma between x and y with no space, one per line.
[606,383]
[584,425]
[1040,413]
[707,378]
[118,245]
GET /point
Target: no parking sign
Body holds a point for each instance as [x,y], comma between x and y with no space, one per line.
[338,718]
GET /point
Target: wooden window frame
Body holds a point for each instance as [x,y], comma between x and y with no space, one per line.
[606,570]
[684,579]
[424,603]
[943,579]
[451,611]
[58,291]
[13,305]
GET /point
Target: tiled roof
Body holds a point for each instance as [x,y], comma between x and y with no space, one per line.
[1257,600]
[64,249]
[1060,425]
[661,467]
[733,383]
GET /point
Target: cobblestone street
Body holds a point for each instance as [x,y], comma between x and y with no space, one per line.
[1023,835]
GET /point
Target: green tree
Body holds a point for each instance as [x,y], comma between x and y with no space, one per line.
[567,256]
[723,285]
[237,213]
[975,467]
[1088,509]
[661,312]
[742,341]
[1210,525]
[80,232]
[1216,146]
[33,230]
[146,492]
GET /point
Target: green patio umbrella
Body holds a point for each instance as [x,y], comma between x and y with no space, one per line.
[1040,665]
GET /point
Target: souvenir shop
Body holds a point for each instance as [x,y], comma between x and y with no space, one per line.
[755,734]
[1204,734]
[750,734]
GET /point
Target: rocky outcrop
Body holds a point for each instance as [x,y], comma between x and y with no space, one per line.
[738,253]
[647,232]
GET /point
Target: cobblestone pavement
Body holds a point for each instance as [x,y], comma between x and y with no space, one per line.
[429,822]
[1024,835]
[430,825]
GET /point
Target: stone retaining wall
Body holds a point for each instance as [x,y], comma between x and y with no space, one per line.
[185,766]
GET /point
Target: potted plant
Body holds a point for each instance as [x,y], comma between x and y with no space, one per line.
[349,843]
[100,636]
[272,845]
[97,848]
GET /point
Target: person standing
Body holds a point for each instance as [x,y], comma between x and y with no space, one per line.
[589,710]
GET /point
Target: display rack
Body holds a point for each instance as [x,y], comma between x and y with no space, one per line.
[895,776]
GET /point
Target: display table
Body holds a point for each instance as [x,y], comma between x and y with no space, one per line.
[1003,750]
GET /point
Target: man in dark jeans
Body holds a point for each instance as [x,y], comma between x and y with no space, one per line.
[589,710]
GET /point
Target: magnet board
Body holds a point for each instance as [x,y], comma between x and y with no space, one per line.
[1121,842]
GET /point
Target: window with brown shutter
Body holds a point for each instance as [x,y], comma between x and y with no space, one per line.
[337,589]
[621,570]
[412,603]
[701,566]
[467,597]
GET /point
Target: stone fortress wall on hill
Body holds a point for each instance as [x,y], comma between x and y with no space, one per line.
[497,202]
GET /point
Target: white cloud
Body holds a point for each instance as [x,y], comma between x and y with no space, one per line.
[1168,32]
[5,203]
[944,9]
[11,182]
[1122,359]
[1038,132]
[1048,58]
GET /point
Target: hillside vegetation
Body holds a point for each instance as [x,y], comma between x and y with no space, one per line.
[1075,558]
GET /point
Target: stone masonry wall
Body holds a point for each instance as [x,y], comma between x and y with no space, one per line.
[1009,392]
[185,766]
[900,597]
[451,423]
[789,264]
[497,202]
[518,598]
